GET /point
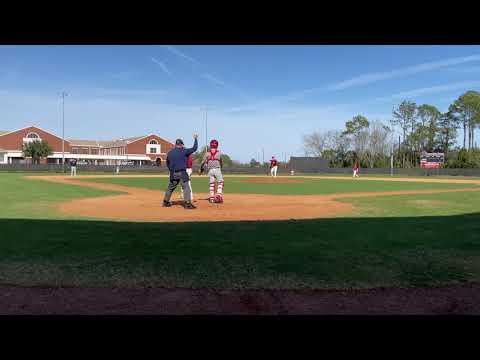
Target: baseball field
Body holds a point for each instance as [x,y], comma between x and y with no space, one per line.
[293,244]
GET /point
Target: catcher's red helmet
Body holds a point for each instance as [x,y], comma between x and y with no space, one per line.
[213,144]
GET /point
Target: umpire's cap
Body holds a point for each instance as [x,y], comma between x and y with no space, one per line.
[179,142]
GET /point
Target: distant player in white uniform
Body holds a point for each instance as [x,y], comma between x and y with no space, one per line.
[356,167]
[212,163]
[273,167]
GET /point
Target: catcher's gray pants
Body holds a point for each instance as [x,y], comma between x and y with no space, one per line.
[175,179]
[215,174]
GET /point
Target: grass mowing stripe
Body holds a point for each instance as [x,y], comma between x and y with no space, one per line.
[327,253]
[306,187]
[22,197]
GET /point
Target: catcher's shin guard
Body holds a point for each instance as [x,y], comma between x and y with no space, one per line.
[220,187]
[219,192]
[212,192]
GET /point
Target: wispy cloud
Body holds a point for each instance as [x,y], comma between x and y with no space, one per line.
[276,100]
[371,78]
[213,79]
[162,66]
[181,54]
[431,90]
[467,69]
[207,76]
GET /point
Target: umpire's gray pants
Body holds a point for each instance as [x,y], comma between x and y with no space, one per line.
[189,173]
[175,178]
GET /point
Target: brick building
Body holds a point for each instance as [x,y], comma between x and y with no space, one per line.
[140,150]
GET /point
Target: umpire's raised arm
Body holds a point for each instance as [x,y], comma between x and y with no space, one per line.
[194,148]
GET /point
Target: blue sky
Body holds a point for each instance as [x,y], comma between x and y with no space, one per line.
[259,96]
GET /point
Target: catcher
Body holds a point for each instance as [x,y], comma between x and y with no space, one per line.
[212,164]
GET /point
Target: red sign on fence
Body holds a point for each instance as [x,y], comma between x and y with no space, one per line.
[432,160]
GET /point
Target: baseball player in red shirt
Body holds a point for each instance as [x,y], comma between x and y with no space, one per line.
[356,168]
[212,163]
[189,172]
[273,167]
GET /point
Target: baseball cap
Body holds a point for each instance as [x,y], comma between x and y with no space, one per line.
[179,142]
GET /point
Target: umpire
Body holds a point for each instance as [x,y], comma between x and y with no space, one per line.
[177,164]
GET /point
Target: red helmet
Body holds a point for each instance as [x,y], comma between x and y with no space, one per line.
[214,144]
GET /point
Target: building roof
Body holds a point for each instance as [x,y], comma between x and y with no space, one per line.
[95,143]
[132,139]
[107,143]
[87,142]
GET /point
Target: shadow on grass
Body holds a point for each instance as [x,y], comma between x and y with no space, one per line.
[323,253]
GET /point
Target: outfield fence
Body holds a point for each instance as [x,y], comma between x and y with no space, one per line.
[147,169]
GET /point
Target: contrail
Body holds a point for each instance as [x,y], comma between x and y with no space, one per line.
[162,66]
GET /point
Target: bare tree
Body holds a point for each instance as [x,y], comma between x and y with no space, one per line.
[314,144]
[373,143]
[317,143]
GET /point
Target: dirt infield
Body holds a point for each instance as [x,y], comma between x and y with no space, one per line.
[456,299]
[146,205]
[137,204]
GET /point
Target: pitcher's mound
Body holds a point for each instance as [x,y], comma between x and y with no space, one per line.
[143,205]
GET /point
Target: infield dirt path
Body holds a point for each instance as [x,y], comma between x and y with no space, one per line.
[138,204]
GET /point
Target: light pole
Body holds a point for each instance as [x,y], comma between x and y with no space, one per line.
[391,161]
[63,130]
[206,128]
[206,108]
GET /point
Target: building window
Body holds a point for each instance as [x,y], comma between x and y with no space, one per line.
[153,142]
[32,136]
[153,150]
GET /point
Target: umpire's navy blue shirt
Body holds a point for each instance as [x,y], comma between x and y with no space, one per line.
[177,157]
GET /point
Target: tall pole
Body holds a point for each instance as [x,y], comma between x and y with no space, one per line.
[399,152]
[206,128]
[391,162]
[63,130]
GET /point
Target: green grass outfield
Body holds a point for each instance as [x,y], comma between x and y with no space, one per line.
[402,240]
[21,198]
[240,185]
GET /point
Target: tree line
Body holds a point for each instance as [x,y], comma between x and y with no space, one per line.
[421,128]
